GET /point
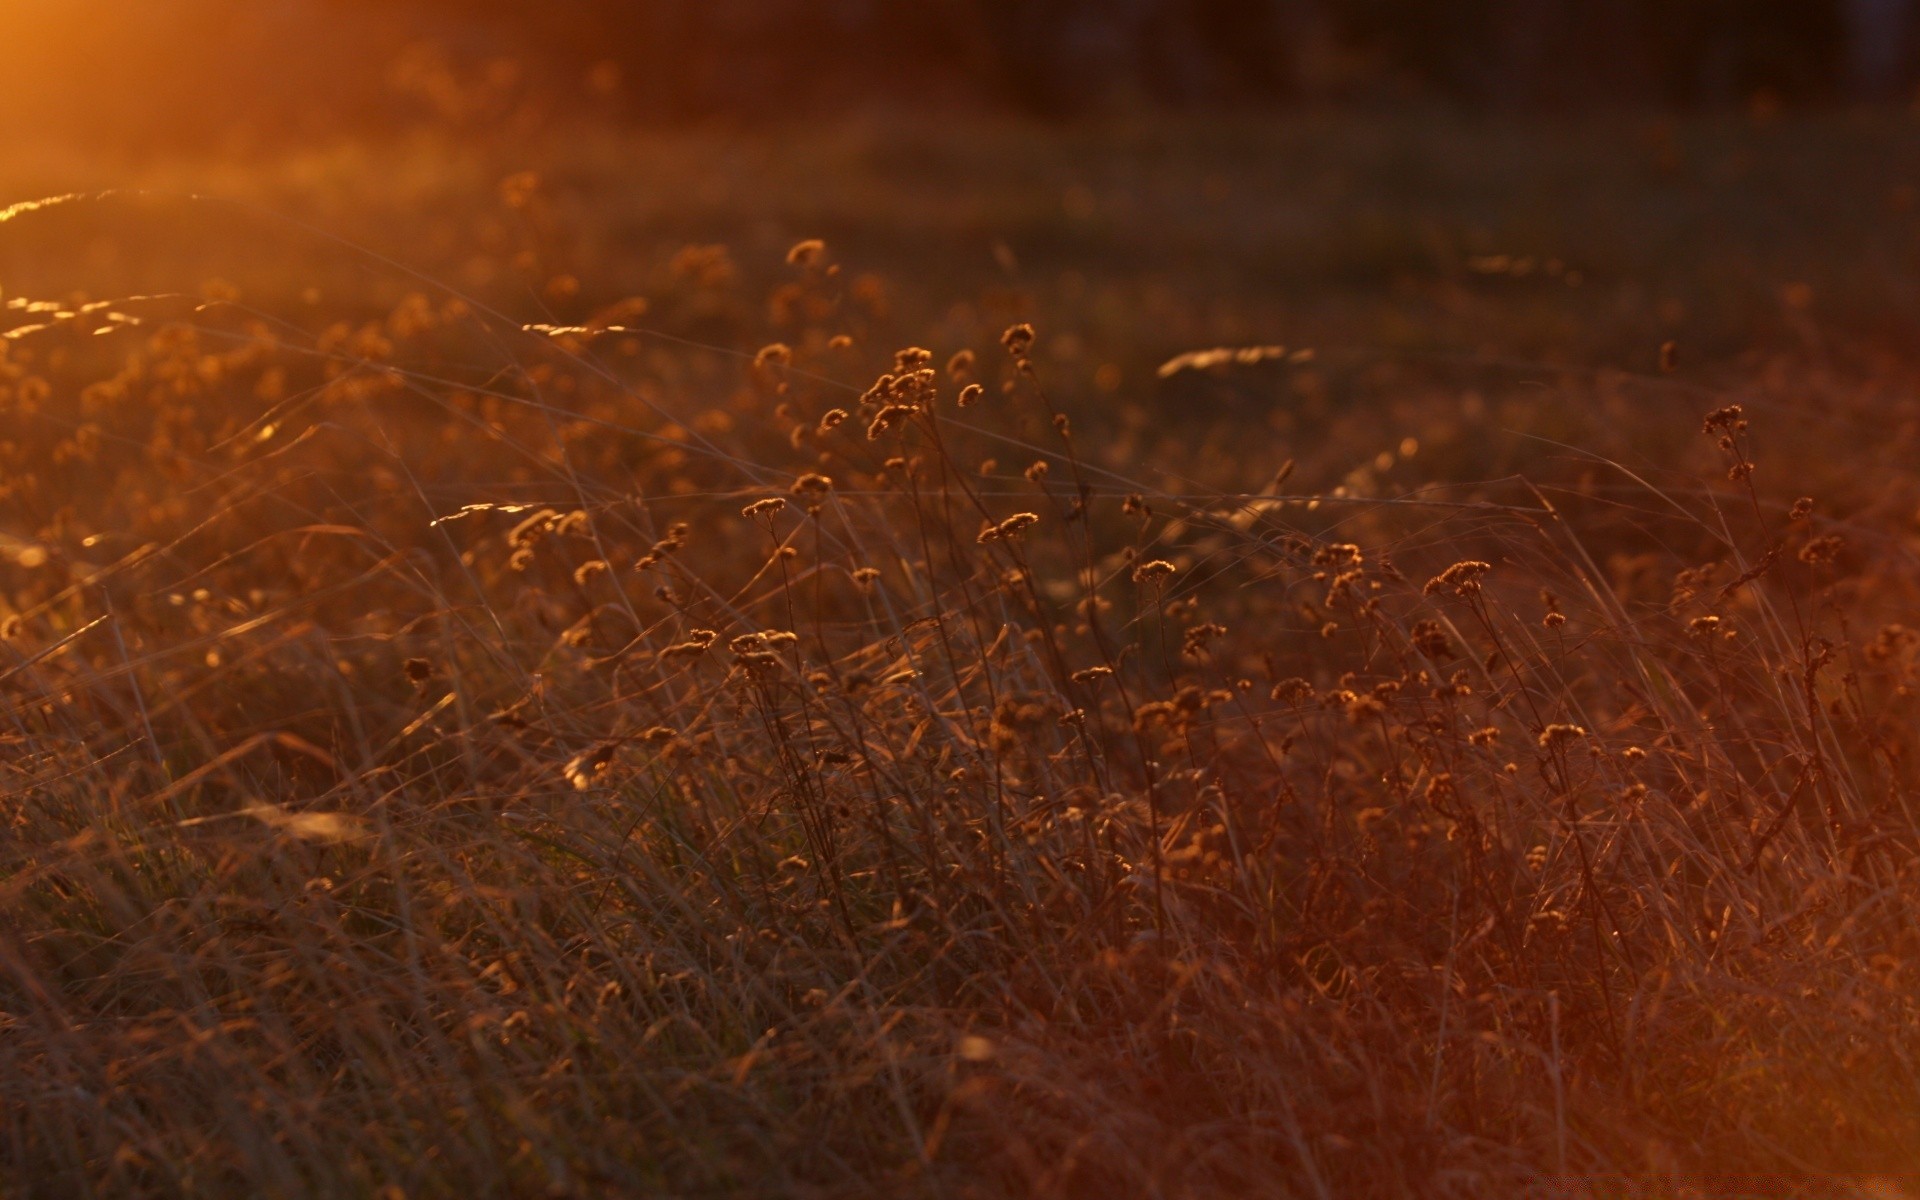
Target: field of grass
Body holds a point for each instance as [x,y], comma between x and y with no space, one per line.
[525,674]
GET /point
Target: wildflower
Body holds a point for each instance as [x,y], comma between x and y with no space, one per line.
[1008,528]
[960,365]
[1554,736]
[779,354]
[1726,420]
[1195,643]
[1462,579]
[1153,572]
[1018,340]
[970,395]
[807,253]
[1156,710]
[586,768]
[830,420]
[1343,554]
[889,416]
[1484,737]
[683,650]
[1090,674]
[1822,550]
[812,483]
[1292,691]
[764,508]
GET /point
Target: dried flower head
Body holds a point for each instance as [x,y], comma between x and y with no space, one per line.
[889,416]
[1292,691]
[1198,638]
[1822,550]
[1462,579]
[1011,527]
[1554,736]
[764,508]
[807,253]
[1154,571]
[1728,420]
[1018,340]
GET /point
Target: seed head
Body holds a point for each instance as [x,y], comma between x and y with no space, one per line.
[1554,736]
[1822,550]
[1013,526]
[1724,421]
[1462,579]
[889,416]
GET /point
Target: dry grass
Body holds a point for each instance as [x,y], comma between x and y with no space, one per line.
[451,756]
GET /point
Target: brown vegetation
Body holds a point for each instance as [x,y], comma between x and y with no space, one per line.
[452,753]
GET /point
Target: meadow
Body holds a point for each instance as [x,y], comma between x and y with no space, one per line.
[1363,655]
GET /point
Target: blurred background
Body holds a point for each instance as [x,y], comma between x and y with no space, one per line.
[1411,186]
[224,69]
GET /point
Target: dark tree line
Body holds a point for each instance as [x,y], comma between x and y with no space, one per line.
[757,55]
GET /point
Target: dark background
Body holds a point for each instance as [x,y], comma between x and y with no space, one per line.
[754,56]
[93,74]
